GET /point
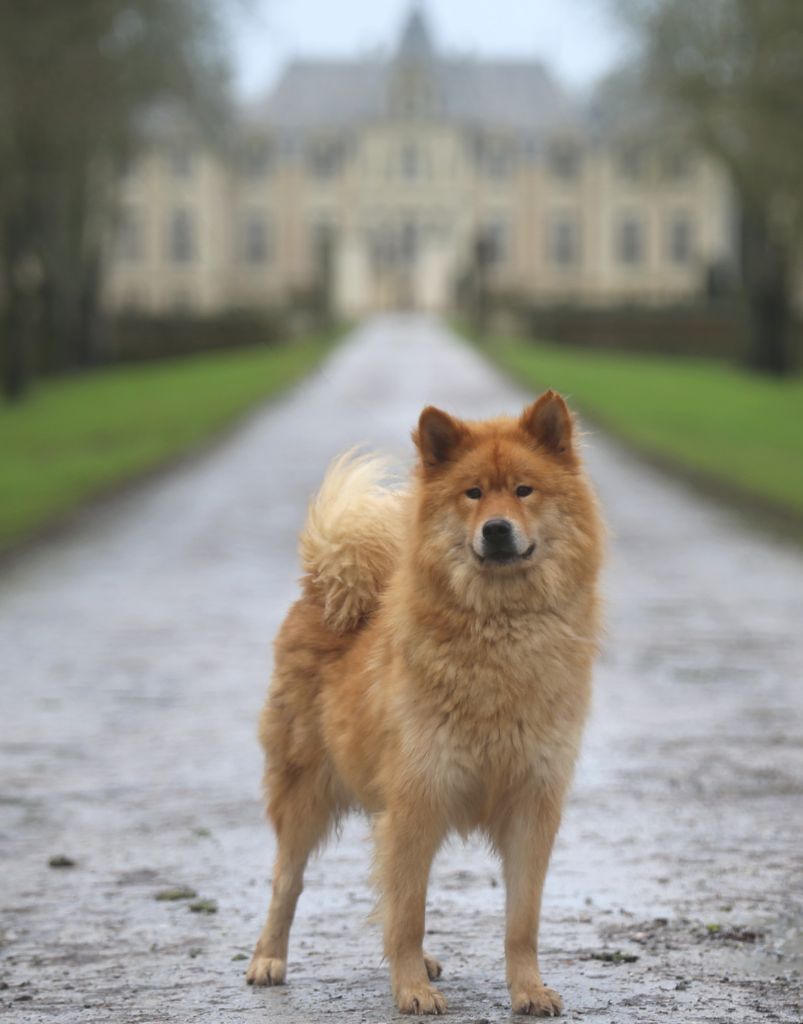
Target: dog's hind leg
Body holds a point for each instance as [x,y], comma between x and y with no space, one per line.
[303,813]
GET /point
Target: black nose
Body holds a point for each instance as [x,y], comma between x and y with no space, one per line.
[497,530]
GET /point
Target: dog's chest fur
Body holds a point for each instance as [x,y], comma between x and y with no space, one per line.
[492,707]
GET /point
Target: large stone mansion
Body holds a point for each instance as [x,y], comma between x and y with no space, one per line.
[387,175]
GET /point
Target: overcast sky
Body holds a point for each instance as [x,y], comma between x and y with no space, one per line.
[578,39]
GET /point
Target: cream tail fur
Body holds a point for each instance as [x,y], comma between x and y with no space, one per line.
[352,537]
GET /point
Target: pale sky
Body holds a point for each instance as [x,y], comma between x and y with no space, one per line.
[578,39]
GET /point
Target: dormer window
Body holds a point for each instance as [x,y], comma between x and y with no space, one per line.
[326,158]
[565,160]
[495,157]
[412,93]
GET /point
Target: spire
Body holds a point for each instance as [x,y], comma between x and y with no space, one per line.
[414,84]
[416,40]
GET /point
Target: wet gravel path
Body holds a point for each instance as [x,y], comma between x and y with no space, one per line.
[134,656]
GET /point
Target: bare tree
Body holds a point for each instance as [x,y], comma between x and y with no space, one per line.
[76,80]
[730,73]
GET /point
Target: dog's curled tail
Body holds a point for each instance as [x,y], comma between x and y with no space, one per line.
[351,539]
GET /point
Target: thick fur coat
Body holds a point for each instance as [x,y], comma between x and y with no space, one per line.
[436,673]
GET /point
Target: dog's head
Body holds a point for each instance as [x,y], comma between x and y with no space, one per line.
[504,506]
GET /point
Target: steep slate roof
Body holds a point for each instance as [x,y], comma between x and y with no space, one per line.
[327,93]
[320,95]
[513,94]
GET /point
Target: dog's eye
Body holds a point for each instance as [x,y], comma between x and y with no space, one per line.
[523,490]
[474,492]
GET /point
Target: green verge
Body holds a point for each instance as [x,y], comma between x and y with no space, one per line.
[735,429]
[79,437]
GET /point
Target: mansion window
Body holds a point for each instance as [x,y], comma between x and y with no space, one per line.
[409,240]
[680,239]
[630,241]
[130,237]
[410,162]
[255,239]
[632,162]
[496,240]
[181,240]
[256,159]
[565,160]
[494,157]
[322,240]
[498,160]
[437,224]
[326,159]
[564,240]
[383,244]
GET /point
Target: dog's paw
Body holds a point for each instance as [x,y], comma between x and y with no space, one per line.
[434,969]
[420,999]
[265,970]
[536,1001]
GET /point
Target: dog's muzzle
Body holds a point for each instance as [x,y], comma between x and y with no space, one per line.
[501,542]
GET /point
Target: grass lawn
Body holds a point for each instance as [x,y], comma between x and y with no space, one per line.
[76,437]
[738,429]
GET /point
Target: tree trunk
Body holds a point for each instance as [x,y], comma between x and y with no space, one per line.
[765,266]
[17,345]
[22,273]
[89,311]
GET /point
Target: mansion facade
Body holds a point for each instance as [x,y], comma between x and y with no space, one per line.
[383,178]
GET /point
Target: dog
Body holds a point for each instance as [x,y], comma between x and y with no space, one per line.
[436,673]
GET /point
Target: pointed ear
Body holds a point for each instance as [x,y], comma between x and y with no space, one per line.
[438,436]
[549,423]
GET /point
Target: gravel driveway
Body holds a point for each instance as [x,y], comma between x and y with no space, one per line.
[135,653]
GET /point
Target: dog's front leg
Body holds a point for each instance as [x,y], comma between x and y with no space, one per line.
[407,841]
[525,841]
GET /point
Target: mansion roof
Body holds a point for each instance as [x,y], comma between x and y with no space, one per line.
[516,96]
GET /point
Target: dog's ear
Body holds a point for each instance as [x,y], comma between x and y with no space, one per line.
[549,423]
[438,436]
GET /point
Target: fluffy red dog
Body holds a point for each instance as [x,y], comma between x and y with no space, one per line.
[436,672]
